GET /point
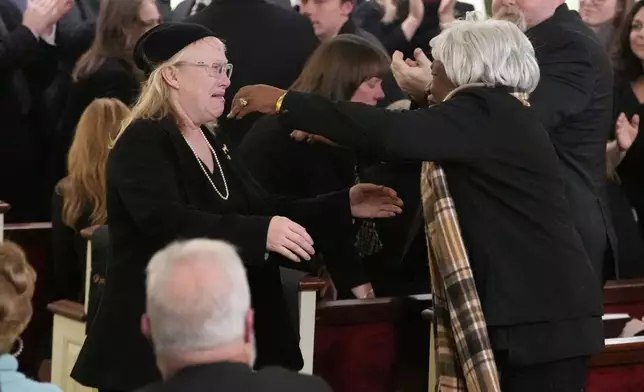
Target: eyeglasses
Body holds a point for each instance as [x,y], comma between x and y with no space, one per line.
[214,70]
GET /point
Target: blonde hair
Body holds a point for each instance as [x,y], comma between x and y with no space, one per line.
[87,159]
[154,101]
[17,283]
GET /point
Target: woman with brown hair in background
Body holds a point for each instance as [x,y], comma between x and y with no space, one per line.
[79,200]
[345,68]
[107,69]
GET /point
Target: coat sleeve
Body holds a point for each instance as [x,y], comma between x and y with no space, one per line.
[18,49]
[566,84]
[142,174]
[441,132]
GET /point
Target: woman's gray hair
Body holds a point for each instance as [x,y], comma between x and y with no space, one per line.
[487,51]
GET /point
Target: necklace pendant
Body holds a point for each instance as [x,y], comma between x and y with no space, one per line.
[225,149]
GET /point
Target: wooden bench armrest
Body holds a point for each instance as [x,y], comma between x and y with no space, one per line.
[620,351]
[88,232]
[312,283]
[27,226]
[623,291]
[4,207]
[373,310]
[69,309]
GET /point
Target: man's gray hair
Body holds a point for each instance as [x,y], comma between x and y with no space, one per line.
[487,51]
[197,296]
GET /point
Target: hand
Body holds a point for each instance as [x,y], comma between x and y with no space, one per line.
[363,291]
[416,10]
[446,11]
[374,201]
[412,76]
[41,15]
[310,138]
[289,239]
[626,131]
[256,98]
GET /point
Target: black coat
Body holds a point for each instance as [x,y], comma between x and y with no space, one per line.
[528,261]
[266,44]
[113,79]
[574,101]
[157,193]
[227,377]
[27,67]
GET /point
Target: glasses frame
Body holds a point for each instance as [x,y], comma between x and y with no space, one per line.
[214,70]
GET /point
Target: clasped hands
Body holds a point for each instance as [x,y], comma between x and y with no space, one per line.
[292,241]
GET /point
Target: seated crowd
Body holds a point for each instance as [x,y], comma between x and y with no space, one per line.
[243,145]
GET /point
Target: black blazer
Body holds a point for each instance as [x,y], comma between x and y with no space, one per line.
[27,67]
[528,261]
[157,193]
[229,377]
[574,102]
[265,43]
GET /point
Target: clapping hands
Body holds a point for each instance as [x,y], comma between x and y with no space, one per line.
[41,15]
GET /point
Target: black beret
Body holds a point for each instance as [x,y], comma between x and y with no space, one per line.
[162,42]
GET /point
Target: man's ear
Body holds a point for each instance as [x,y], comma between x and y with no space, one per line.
[169,75]
[146,329]
[346,6]
[249,326]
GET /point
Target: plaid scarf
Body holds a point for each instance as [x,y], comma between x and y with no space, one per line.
[464,357]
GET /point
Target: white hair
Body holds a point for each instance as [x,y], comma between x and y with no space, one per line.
[197,296]
[487,51]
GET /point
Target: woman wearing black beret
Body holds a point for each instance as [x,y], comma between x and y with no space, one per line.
[169,177]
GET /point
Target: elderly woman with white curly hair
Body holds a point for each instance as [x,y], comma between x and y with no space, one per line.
[517,306]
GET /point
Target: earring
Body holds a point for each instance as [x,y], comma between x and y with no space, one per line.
[21,346]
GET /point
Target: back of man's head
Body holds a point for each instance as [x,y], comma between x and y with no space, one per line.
[198,302]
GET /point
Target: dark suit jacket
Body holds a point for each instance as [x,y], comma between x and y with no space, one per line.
[24,133]
[574,101]
[265,43]
[157,193]
[237,377]
[528,262]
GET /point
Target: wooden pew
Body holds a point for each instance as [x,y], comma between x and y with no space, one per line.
[374,345]
[620,368]
[70,324]
[4,208]
[35,239]
[625,296]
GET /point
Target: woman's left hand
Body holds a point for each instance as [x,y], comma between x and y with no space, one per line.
[374,201]
[256,98]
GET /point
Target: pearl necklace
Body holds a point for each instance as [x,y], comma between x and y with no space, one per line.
[223,177]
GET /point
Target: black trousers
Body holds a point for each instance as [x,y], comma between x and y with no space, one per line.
[567,375]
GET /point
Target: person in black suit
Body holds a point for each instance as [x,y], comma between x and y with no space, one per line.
[26,60]
[541,300]
[200,322]
[574,101]
[267,44]
[169,177]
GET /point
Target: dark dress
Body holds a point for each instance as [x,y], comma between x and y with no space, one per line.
[157,193]
[541,299]
[574,101]
[290,168]
[627,192]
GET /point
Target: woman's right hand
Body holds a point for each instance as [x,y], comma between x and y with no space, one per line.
[289,239]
